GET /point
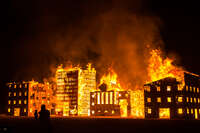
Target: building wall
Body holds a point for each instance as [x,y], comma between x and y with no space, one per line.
[110,103]
[40,94]
[86,84]
[18,99]
[71,88]
[184,103]
[192,96]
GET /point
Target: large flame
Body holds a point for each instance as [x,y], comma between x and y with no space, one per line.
[160,68]
[111,80]
[136,94]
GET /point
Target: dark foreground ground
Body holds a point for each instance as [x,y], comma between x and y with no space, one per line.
[103,125]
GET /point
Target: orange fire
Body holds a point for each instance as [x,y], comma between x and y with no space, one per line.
[111,80]
[159,68]
[136,95]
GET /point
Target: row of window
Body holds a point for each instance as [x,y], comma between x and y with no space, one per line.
[15,102]
[169,99]
[179,99]
[10,110]
[106,111]
[180,110]
[159,99]
[191,89]
[15,94]
[20,86]
[148,88]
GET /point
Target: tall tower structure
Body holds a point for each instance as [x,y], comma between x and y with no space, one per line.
[73,90]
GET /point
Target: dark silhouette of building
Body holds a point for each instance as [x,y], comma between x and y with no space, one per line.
[18,98]
[169,99]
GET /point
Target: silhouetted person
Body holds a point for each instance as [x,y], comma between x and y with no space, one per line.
[36,114]
[44,117]
[44,114]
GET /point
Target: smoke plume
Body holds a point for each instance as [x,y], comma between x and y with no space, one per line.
[118,34]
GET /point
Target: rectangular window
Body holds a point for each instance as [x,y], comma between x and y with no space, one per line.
[25,93]
[191,100]
[191,88]
[191,111]
[186,87]
[147,88]
[195,100]
[188,111]
[24,110]
[158,99]
[102,98]
[20,94]
[93,112]
[197,90]
[180,99]
[8,110]
[180,88]
[20,101]
[168,88]
[9,102]
[106,97]
[196,113]
[187,99]
[98,98]
[149,111]
[111,97]
[169,99]
[15,86]
[180,111]
[14,102]
[148,99]
[194,89]
[158,88]
[25,101]
[164,113]
[15,94]
[9,94]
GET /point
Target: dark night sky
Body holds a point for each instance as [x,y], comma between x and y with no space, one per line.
[25,21]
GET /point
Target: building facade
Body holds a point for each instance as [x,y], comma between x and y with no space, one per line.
[26,97]
[110,103]
[73,90]
[18,99]
[168,99]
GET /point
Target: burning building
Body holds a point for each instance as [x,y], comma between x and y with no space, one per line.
[169,99]
[110,103]
[18,99]
[73,90]
[26,97]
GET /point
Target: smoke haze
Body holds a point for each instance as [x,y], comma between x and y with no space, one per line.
[105,33]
